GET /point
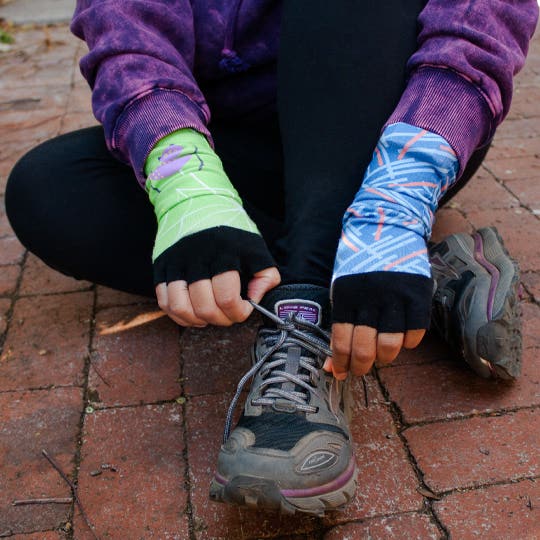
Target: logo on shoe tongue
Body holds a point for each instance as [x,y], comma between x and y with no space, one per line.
[307,309]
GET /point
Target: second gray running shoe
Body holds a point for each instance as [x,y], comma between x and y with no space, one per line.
[291,451]
[476,303]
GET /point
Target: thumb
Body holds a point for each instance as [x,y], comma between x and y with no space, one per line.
[262,282]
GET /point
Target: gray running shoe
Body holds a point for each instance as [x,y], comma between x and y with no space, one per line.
[476,303]
[291,450]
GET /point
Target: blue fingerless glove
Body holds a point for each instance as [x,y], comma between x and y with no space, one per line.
[382,275]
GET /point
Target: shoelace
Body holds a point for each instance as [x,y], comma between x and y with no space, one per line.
[292,331]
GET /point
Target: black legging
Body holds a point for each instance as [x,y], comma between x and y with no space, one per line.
[341,72]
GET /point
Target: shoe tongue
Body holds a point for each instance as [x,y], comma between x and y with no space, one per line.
[309,310]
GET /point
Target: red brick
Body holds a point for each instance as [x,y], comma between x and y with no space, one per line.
[107,297]
[409,526]
[215,358]
[9,157]
[11,250]
[431,349]
[531,280]
[137,358]
[28,133]
[80,97]
[31,422]
[358,394]
[517,129]
[8,278]
[525,102]
[145,497]
[519,232]
[518,147]
[527,191]
[483,192]
[31,104]
[206,417]
[507,511]
[448,221]
[5,227]
[450,389]
[5,304]
[44,535]
[47,60]
[530,325]
[530,74]
[38,278]
[47,341]
[386,479]
[77,120]
[511,169]
[477,450]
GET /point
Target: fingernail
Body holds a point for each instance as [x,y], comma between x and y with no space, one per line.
[340,376]
[327,366]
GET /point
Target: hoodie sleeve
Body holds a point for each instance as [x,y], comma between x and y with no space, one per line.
[460,79]
[139,67]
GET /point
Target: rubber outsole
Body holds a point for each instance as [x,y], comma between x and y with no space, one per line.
[498,342]
[496,352]
[265,494]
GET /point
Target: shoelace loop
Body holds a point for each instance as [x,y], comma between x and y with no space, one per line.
[294,331]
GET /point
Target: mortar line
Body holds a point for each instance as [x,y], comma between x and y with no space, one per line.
[384,515]
[185,453]
[399,423]
[13,297]
[80,433]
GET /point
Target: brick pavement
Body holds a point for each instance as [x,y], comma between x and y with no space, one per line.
[132,407]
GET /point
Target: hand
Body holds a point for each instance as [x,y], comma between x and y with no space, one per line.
[215,301]
[356,348]
[374,316]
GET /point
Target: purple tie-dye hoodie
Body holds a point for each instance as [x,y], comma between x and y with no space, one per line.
[158,66]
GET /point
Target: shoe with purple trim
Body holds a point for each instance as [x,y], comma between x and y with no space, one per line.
[291,450]
[476,305]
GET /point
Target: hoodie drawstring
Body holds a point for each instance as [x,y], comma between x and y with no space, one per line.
[230,61]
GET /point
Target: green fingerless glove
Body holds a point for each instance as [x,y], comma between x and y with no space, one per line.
[203,229]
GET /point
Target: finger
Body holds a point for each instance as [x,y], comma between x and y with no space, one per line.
[226,288]
[364,349]
[262,282]
[179,303]
[163,303]
[161,295]
[388,346]
[204,304]
[413,338]
[181,322]
[341,345]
